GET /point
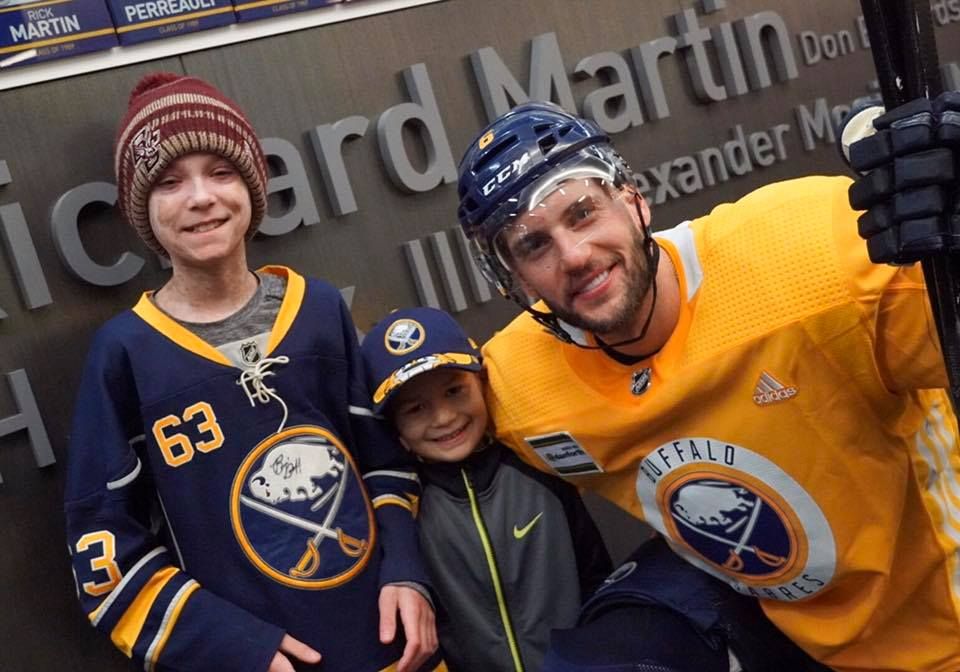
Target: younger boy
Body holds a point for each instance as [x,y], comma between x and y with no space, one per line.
[511,551]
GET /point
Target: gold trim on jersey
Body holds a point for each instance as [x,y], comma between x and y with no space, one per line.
[290,308]
[170,619]
[127,630]
[186,339]
[442,667]
[392,500]
[176,332]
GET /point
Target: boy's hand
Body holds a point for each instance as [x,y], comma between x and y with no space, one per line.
[419,625]
[293,648]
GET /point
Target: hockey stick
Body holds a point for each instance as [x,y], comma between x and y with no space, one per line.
[905,56]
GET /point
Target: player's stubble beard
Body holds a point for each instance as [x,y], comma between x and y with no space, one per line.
[638,283]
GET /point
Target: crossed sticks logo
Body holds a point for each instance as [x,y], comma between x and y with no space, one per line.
[299,511]
[739,516]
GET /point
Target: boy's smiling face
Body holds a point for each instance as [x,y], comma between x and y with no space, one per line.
[441,415]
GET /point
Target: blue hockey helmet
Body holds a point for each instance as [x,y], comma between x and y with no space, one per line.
[514,155]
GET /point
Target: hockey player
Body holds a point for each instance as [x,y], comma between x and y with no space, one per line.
[748,383]
[235,403]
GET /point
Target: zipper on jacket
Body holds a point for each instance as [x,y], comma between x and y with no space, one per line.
[494,572]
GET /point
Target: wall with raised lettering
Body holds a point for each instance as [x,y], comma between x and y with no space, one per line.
[365,122]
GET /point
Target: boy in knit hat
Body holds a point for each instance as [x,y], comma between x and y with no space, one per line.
[511,551]
[234,400]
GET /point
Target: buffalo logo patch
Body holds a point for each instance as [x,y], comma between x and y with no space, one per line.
[299,511]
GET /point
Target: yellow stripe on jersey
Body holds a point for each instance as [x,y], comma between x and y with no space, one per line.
[394,500]
[128,628]
[186,339]
[292,300]
[180,335]
[170,619]
[442,667]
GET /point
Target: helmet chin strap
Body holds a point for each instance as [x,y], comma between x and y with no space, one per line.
[651,252]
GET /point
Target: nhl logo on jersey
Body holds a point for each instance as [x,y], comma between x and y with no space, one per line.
[640,381]
[299,512]
[249,352]
[146,148]
[403,336]
[738,516]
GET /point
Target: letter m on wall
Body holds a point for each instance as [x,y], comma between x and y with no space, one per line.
[548,76]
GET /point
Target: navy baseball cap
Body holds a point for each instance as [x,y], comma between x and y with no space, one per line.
[412,341]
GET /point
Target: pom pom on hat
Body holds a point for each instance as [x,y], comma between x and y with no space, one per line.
[169,116]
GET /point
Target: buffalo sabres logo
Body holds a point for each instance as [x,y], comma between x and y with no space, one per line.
[737,515]
[299,511]
[146,148]
[722,520]
[403,336]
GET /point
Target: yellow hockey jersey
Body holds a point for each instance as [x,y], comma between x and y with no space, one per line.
[786,438]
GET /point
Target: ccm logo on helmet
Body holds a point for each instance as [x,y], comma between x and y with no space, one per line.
[515,167]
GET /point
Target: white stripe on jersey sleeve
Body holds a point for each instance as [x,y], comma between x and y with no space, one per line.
[126,480]
[408,475]
[933,443]
[124,582]
[397,500]
[149,660]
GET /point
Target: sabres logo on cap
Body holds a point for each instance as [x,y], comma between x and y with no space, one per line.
[403,336]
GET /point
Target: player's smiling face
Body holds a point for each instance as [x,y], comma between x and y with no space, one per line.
[580,249]
[200,209]
[441,415]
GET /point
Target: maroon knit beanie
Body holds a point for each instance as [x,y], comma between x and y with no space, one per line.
[167,117]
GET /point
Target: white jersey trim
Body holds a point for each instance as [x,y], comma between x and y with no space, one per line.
[124,582]
[150,663]
[933,443]
[409,475]
[360,410]
[126,480]
[682,238]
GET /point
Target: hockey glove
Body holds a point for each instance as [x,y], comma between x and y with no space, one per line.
[906,159]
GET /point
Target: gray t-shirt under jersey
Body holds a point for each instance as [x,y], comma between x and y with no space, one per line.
[243,336]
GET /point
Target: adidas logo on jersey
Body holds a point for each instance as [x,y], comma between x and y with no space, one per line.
[769,390]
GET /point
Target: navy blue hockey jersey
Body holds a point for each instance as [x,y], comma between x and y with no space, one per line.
[283,503]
